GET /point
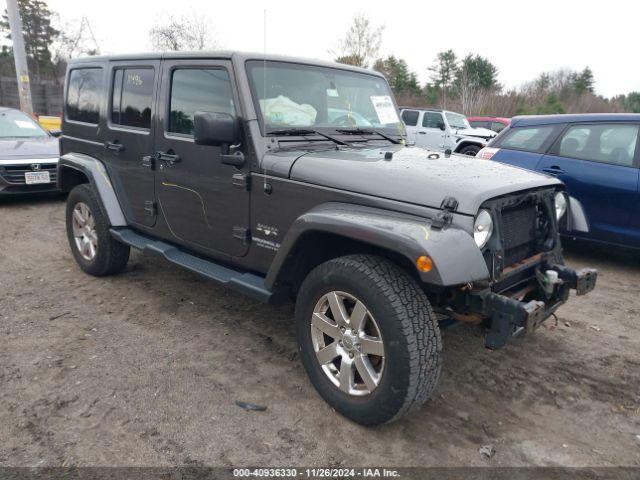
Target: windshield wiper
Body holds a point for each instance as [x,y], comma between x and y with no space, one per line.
[304,131]
[360,131]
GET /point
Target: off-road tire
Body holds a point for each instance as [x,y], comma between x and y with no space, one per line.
[112,256]
[410,332]
[471,150]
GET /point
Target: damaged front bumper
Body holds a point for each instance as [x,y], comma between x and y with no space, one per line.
[521,310]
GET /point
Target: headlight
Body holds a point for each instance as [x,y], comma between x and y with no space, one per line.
[482,228]
[561,205]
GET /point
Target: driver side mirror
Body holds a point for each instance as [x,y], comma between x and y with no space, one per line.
[55,133]
[216,129]
[442,126]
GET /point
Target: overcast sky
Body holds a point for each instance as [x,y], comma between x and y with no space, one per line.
[521,38]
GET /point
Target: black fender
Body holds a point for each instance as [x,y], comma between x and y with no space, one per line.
[456,258]
[95,172]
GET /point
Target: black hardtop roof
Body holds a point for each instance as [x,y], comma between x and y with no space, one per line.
[222,54]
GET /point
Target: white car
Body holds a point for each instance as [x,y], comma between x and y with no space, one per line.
[443,130]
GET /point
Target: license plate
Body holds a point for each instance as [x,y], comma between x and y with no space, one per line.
[32,178]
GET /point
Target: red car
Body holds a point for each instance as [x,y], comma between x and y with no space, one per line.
[497,124]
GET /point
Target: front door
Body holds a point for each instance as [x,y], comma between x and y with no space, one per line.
[205,203]
[129,137]
[598,164]
[430,134]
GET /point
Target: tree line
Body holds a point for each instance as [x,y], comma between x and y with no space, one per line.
[470,84]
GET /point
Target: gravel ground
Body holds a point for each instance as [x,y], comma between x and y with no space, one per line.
[144,368]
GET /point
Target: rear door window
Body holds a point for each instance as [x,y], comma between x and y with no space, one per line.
[410,117]
[84,93]
[529,139]
[604,143]
[132,97]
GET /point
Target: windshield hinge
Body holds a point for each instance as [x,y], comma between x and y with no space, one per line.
[242,180]
[445,215]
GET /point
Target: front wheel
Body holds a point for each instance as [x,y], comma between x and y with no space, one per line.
[93,247]
[368,338]
[471,150]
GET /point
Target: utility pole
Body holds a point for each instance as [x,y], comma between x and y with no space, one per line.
[22,71]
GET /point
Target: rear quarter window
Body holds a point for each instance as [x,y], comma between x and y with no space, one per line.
[528,139]
[84,93]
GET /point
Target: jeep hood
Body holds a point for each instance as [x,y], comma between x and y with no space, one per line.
[475,132]
[411,176]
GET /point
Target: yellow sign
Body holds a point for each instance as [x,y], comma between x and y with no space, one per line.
[24,78]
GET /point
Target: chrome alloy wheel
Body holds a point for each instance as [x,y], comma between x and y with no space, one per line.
[348,343]
[84,231]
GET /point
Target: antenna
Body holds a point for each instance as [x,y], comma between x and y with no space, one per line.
[264,96]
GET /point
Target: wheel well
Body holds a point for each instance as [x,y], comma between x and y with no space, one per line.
[314,248]
[70,177]
[466,143]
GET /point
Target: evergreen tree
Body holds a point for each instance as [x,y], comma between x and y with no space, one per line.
[38,34]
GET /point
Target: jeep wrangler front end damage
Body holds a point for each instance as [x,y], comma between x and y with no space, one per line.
[528,280]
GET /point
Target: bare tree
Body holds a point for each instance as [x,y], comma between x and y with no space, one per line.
[76,39]
[361,44]
[182,33]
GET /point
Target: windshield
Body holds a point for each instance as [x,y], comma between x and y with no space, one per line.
[15,124]
[457,121]
[305,96]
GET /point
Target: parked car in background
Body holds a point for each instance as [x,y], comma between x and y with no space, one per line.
[497,124]
[49,122]
[596,156]
[28,154]
[443,130]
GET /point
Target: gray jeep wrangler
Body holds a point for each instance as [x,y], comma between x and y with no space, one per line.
[291,179]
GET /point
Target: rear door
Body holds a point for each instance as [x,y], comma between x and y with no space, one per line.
[129,137]
[204,202]
[410,119]
[599,164]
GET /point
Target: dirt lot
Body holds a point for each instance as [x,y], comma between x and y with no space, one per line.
[144,368]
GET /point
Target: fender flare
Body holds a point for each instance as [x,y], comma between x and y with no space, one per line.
[95,171]
[456,258]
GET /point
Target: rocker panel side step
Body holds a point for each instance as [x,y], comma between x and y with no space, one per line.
[246,283]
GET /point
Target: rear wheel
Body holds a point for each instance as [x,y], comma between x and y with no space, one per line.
[368,338]
[93,247]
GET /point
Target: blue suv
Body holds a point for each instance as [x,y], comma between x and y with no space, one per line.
[597,156]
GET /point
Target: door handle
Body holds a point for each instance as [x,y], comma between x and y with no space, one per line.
[114,146]
[554,170]
[422,133]
[168,157]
